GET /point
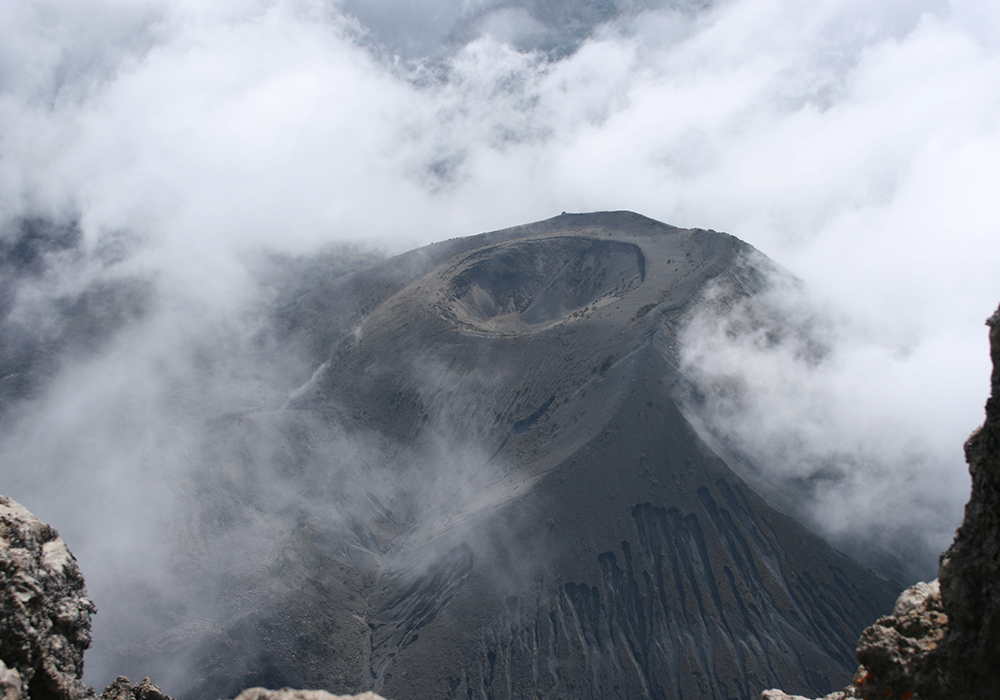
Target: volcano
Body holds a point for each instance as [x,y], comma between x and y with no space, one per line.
[488,489]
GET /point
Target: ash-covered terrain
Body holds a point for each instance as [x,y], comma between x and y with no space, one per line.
[487,488]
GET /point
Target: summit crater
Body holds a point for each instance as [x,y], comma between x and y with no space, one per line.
[528,286]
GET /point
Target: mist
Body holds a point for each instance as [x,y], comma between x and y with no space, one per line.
[199,165]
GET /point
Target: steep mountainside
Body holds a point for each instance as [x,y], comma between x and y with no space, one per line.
[494,494]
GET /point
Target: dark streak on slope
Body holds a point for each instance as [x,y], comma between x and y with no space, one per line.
[676,618]
[395,627]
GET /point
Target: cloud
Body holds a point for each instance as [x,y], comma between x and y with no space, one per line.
[830,422]
[857,144]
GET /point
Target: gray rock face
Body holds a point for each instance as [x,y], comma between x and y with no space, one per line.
[970,569]
[44,610]
[122,689]
[779,695]
[290,694]
[896,653]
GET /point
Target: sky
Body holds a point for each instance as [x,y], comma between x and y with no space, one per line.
[856,144]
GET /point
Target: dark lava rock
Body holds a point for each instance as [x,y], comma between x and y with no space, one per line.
[499,497]
[44,610]
[970,569]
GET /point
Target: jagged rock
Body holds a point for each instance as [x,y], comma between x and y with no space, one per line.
[121,689]
[44,610]
[290,694]
[849,694]
[970,569]
[10,683]
[896,651]
[779,695]
[45,616]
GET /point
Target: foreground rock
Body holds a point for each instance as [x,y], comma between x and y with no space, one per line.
[290,694]
[943,638]
[778,695]
[897,652]
[122,689]
[970,569]
[44,610]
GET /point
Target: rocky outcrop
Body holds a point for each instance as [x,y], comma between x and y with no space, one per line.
[970,569]
[122,689]
[897,653]
[942,639]
[44,610]
[778,695]
[290,694]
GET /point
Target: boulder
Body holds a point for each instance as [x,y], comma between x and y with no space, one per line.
[780,695]
[290,694]
[44,610]
[122,689]
[970,569]
[898,653]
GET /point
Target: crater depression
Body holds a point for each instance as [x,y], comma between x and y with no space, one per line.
[528,286]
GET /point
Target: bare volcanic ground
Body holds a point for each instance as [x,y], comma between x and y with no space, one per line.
[495,495]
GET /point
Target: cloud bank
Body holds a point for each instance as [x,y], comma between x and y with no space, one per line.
[856,144]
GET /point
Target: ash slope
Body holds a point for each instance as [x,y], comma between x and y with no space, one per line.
[499,497]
